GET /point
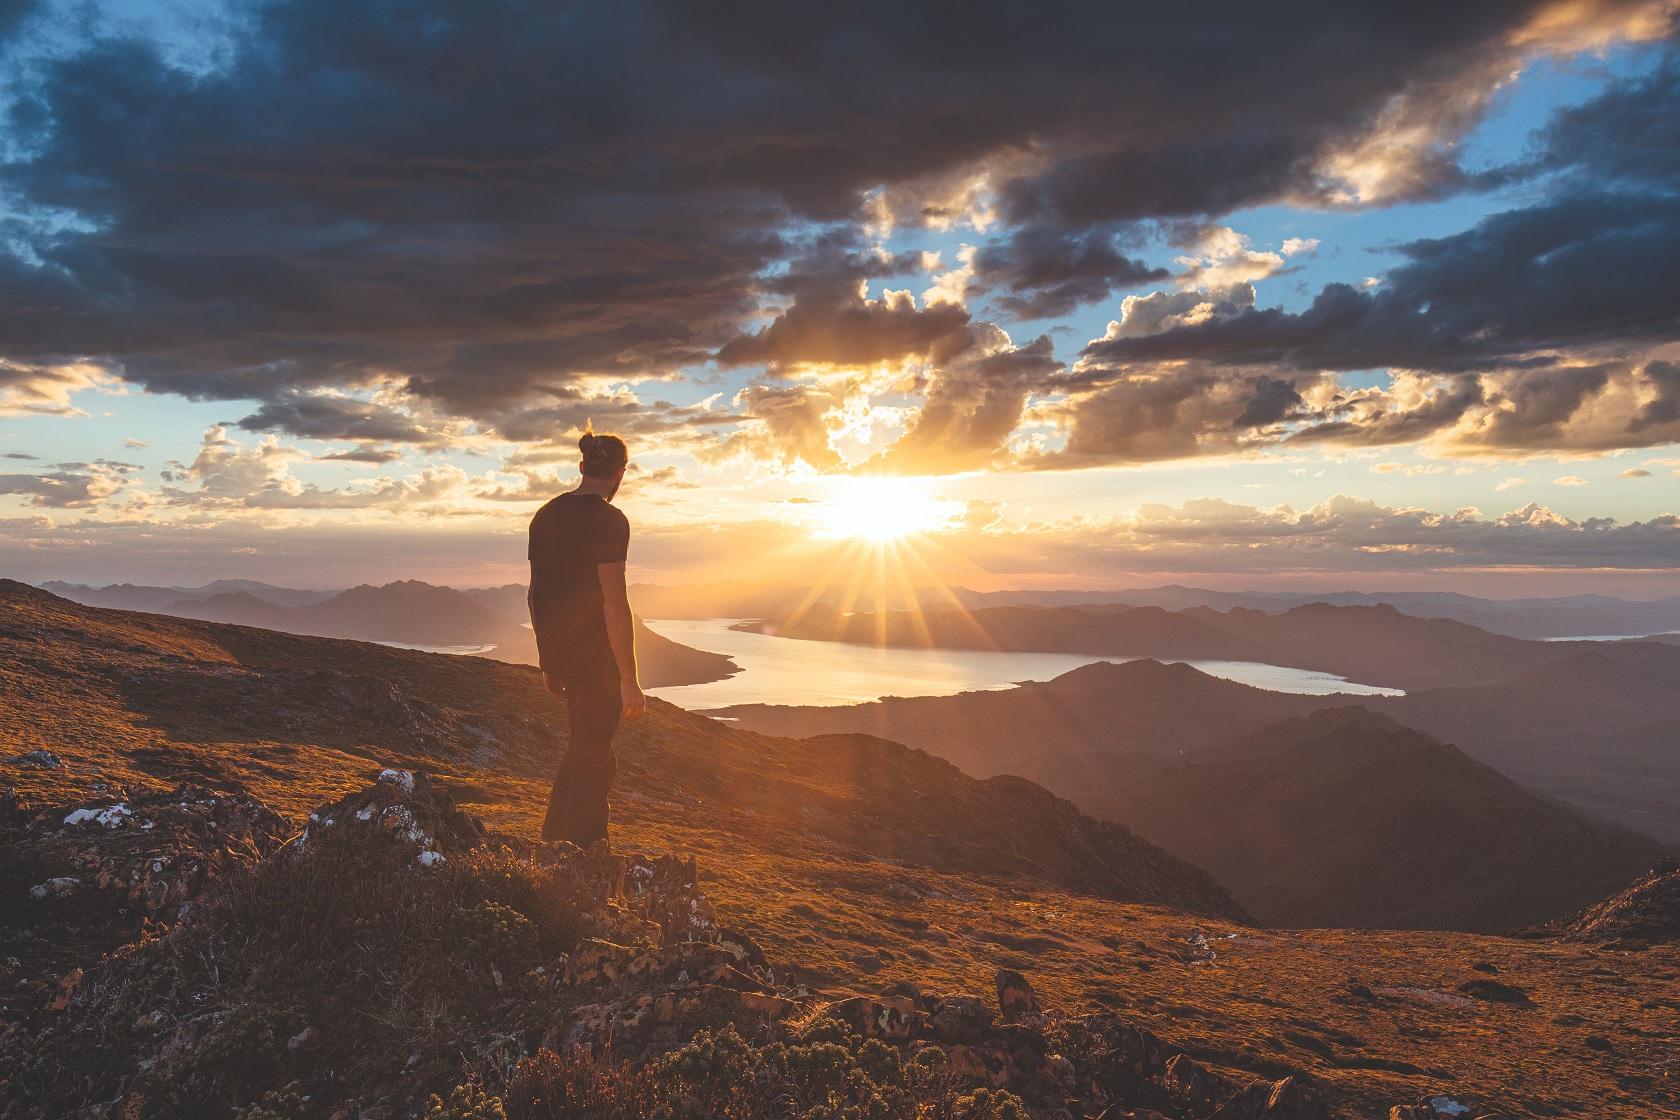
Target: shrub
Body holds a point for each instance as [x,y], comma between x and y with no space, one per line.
[466,1102]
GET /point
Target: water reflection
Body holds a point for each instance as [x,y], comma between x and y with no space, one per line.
[790,671]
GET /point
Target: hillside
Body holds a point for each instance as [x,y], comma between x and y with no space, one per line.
[1647,910]
[834,858]
[1595,726]
[1137,707]
[407,612]
[161,690]
[1346,818]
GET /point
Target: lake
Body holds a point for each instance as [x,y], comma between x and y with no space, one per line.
[793,671]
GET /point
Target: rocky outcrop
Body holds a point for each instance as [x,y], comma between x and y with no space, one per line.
[401,811]
[1647,912]
[80,879]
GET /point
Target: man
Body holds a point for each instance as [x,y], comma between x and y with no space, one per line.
[580,611]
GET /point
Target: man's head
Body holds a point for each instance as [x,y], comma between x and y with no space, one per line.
[604,460]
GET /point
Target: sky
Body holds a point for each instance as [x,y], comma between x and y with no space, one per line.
[1368,296]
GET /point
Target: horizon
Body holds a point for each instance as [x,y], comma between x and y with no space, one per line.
[1394,315]
[869,594]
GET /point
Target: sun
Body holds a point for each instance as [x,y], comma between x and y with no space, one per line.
[880,509]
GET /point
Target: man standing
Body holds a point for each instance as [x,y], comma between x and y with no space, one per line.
[580,611]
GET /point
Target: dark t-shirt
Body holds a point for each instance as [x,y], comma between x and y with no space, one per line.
[571,537]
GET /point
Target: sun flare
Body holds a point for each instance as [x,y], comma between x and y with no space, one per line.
[879,510]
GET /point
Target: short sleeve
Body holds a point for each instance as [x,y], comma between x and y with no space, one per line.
[614,544]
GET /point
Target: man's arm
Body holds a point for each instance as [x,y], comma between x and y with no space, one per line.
[621,635]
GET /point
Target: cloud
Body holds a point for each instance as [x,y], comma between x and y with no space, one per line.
[375,456]
[228,475]
[46,388]
[1570,480]
[1636,472]
[1045,272]
[1143,414]
[790,426]
[1510,484]
[328,416]
[832,320]
[486,245]
[973,404]
[72,488]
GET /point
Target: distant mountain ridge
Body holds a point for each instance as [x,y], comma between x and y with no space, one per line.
[1347,818]
[1313,813]
[1376,645]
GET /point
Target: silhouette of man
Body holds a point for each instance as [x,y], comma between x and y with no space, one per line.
[580,611]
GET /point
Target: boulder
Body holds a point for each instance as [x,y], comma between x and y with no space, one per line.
[401,815]
[1017,1002]
[1289,1099]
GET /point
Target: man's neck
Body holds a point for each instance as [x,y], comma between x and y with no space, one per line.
[602,490]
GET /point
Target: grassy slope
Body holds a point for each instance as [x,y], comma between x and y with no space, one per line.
[796,842]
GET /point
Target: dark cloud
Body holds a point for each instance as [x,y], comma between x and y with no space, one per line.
[1630,132]
[330,417]
[1584,269]
[1664,406]
[69,488]
[1045,272]
[491,201]
[1142,414]
[374,456]
[831,320]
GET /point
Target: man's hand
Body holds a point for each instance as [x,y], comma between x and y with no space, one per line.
[630,695]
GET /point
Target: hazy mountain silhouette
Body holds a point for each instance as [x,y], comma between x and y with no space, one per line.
[1529,617]
[1371,645]
[1339,817]
[1348,818]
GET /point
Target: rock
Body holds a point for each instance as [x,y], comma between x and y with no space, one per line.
[1444,1107]
[959,1019]
[400,815]
[41,760]
[1025,1051]
[1288,1099]
[91,875]
[1647,911]
[1495,992]
[983,1065]
[893,1018]
[1192,1086]
[1017,1002]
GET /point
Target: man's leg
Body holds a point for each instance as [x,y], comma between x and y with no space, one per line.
[577,809]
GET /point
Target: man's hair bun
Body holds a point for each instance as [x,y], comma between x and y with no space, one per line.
[603,454]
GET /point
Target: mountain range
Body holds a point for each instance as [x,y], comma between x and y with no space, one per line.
[1312,812]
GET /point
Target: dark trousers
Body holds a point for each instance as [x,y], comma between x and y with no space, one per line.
[577,809]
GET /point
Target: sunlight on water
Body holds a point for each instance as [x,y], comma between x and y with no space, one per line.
[791,671]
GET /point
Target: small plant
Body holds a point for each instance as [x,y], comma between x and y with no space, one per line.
[989,1104]
[284,1103]
[466,1102]
[499,933]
